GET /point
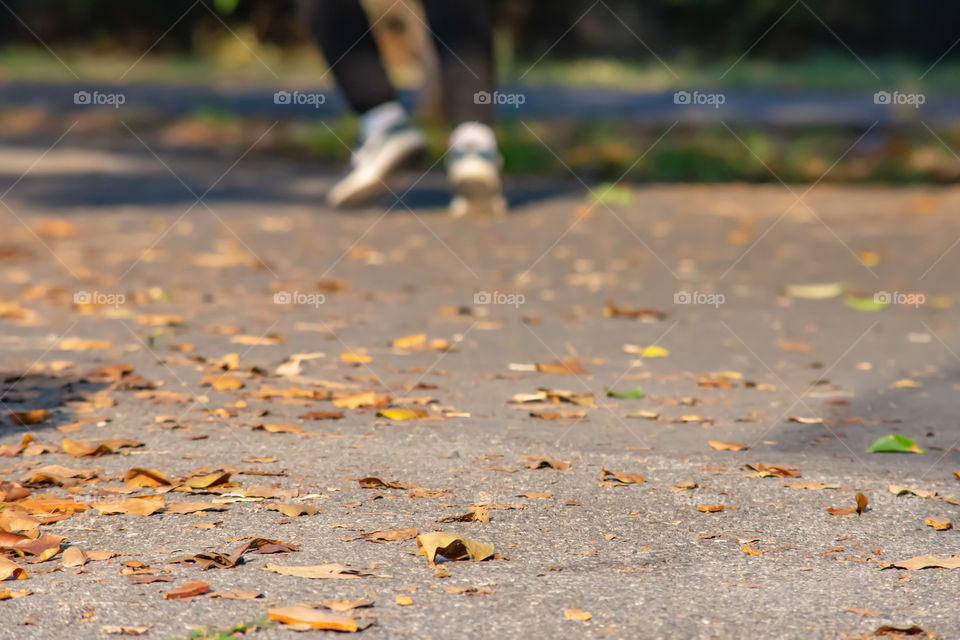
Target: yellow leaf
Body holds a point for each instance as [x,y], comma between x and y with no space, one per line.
[452,547]
[576,614]
[313,618]
[653,351]
[402,414]
[355,358]
[78,344]
[404,601]
[222,383]
[257,341]
[294,510]
[138,478]
[409,342]
[720,445]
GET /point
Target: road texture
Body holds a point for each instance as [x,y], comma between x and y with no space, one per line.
[170,264]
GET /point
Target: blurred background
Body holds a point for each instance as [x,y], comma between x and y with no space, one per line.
[798,81]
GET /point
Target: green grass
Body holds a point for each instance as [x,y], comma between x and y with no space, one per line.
[229,633]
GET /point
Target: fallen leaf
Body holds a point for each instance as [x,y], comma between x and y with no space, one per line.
[55,474]
[576,614]
[115,630]
[568,366]
[27,418]
[355,358]
[770,471]
[322,415]
[613,477]
[347,605]
[139,506]
[257,341]
[236,594]
[901,630]
[861,503]
[78,344]
[557,415]
[478,514]
[389,535]
[545,462]
[409,342]
[894,443]
[138,478]
[373,482]
[710,508]
[10,568]
[193,507]
[404,601]
[73,557]
[819,291]
[720,445]
[925,562]
[312,618]
[222,382]
[294,510]
[939,524]
[321,571]
[452,547]
[7,594]
[633,393]
[188,590]
[402,414]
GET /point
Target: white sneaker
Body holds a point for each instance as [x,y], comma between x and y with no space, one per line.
[389,142]
[473,169]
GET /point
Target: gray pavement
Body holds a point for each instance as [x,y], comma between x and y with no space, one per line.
[640,558]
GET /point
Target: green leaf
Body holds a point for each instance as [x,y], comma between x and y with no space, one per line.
[864,304]
[894,443]
[633,393]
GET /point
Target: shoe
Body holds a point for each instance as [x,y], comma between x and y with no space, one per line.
[388,143]
[473,170]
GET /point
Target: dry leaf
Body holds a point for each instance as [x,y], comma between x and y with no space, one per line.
[7,594]
[402,414]
[710,508]
[188,590]
[452,547]
[404,601]
[478,514]
[355,358]
[566,367]
[841,511]
[139,506]
[373,482]
[10,568]
[27,418]
[73,557]
[347,605]
[137,478]
[410,342]
[78,344]
[861,503]
[576,614]
[55,474]
[322,415]
[390,535]
[257,341]
[294,510]
[720,445]
[193,507]
[312,618]
[545,462]
[222,382]
[114,630]
[613,478]
[771,471]
[939,524]
[557,415]
[320,571]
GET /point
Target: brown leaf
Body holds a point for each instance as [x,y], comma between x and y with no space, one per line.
[545,462]
[452,547]
[861,503]
[710,508]
[347,605]
[115,630]
[841,511]
[720,445]
[645,315]
[193,507]
[534,495]
[567,366]
[900,631]
[138,478]
[27,418]
[576,614]
[236,594]
[321,571]
[770,471]
[312,618]
[7,594]
[10,568]
[79,344]
[558,415]
[222,382]
[939,524]
[322,415]
[73,557]
[390,535]
[294,510]
[139,506]
[613,477]
[188,590]
[478,514]
[373,482]
[55,474]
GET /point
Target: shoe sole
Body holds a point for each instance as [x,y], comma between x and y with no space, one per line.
[408,155]
[477,191]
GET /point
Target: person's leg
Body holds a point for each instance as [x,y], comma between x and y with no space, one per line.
[388,140]
[342,31]
[463,35]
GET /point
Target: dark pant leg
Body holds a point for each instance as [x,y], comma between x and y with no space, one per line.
[463,34]
[342,30]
